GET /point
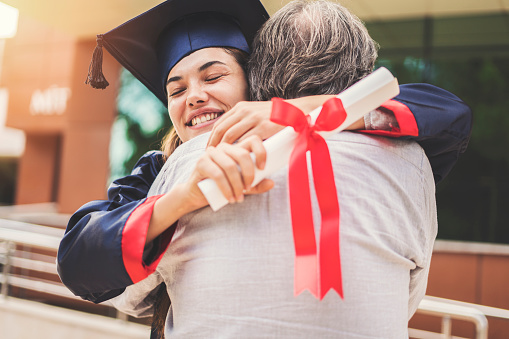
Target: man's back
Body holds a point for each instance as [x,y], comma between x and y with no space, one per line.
[230,273]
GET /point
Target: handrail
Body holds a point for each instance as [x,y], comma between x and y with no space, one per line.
[442,308]
[449,309]
[37,236]
[488,311]
[29,238]
[8,224]
[16,232]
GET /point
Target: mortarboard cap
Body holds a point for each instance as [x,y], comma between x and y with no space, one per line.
[150,44]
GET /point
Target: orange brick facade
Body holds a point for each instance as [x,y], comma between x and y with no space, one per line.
[67,123]
[479,278]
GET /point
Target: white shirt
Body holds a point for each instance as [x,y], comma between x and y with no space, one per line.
[229,273]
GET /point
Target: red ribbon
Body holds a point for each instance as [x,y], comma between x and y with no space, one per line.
[318,272]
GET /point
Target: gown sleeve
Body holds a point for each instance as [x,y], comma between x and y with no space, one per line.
[436,119]
[103,249]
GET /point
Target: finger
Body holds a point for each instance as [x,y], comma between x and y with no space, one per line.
[241,123]
[216,135]
[254,144]
[222,125]
[264,130]
[262,187]
[238,131]
[242,157]
[227,159]
[208,168]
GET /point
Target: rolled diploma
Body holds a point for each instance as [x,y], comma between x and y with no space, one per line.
[358,100]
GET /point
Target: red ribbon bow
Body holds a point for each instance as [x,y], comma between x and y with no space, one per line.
[318,272]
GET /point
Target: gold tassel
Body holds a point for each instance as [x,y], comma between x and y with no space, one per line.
[95,76]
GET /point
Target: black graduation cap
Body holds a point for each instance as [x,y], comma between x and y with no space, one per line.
[150,44]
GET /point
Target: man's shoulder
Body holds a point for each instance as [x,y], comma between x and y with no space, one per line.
[376,150]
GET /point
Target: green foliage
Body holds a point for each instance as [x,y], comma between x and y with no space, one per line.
[141,123]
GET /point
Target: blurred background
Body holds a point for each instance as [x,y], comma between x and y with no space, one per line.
[62,143]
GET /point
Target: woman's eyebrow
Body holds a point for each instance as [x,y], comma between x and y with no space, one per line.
[177,78]
[208,64]
[202,68]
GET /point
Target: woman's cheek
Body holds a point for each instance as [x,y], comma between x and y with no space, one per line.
[174,111]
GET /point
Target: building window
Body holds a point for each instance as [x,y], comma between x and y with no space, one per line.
[468,56]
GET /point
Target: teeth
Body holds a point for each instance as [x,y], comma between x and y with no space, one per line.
[204,118]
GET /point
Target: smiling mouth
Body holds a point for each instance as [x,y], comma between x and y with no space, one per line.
[203,118]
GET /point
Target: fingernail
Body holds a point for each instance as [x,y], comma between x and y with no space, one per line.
[240,198]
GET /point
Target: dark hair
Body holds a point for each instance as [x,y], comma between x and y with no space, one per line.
[309,48]
[161,308]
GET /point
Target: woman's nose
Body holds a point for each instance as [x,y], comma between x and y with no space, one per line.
[196,95]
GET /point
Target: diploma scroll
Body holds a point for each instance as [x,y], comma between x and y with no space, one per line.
[358,100]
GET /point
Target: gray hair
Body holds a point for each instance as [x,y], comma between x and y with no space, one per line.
[310,48]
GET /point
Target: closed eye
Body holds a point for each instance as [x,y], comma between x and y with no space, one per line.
[177,92]
[213,78]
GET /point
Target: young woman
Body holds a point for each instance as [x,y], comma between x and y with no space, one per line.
[194,62]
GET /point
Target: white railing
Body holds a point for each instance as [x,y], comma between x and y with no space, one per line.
[19,258]
[449,309]
[15,235]
[28,264]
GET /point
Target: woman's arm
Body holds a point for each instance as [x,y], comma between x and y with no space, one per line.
[230,166]
[253,118]
[91,257]
[112,244]
[438,120]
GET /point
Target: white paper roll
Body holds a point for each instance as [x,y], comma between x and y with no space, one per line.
[358,100]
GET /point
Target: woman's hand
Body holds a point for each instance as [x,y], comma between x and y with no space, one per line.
[232,168]
[253,118]
[245,119]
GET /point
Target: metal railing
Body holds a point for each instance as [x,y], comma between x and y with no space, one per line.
[449,309]
[23,267]
[14,237]
[14,234]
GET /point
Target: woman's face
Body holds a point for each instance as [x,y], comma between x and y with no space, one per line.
[201,87]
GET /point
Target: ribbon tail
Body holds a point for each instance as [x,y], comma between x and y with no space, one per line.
[306,263]
[325,187]
[305,277]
